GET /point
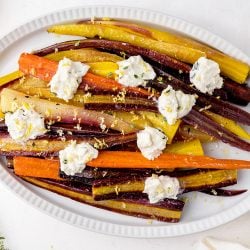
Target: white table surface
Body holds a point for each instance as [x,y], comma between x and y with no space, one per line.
[26,228]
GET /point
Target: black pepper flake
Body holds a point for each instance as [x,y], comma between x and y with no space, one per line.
[27,96]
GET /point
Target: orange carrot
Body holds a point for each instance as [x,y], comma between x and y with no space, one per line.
[107,84]
[124,159]
[35,167]
[45,69]
[39,67]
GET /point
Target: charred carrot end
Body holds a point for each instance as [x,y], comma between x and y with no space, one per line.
[123,159]
[35,167]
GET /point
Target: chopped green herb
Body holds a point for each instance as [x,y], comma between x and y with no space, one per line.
[110,74]
[126,67]
[195,66]
[136,76]
[65,161]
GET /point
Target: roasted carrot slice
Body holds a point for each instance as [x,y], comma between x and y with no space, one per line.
[44,69]
[39,67]
[35,167]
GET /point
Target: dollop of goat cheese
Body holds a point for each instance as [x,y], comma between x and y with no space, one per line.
[67,78]
[160,187]
[151,142]
[174,104]
[24,124]
[74,157]
[134,72]
[205,75]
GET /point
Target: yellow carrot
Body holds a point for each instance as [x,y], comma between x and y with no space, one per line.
[229,124]
[10,77]
[180,52]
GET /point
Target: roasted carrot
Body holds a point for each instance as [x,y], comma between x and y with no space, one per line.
[10,77]
[39,67]
[123,159]
[44,69]
[107,84]
[35,167]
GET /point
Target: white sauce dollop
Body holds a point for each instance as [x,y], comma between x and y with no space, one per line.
[24,124]
[134,72]
[74,157]
[160,187]
[67,78]
[205,75]
[151,142]
[174,104]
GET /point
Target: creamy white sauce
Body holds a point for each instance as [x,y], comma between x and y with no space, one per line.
[24,124]
[161,187]
[67,78]
[74,157]
[134,72]
[174,104]
[205,75]
[151,142]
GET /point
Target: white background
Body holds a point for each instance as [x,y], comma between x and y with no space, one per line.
[26,228]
